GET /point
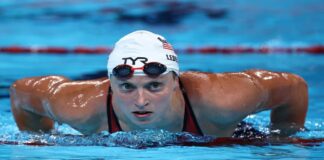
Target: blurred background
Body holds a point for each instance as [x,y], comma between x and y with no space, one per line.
[184,23]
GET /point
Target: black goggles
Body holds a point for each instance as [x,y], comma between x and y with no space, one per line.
[152,69]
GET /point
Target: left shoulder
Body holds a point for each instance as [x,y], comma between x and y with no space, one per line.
[266,75]
[220,85]
[276,80]
[227,96]
[280,87]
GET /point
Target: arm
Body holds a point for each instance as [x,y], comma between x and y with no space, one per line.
[287,98]
[233,96]
[29,100]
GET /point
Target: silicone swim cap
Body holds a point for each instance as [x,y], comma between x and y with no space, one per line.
[140,47]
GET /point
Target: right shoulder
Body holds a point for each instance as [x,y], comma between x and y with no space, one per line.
[86,87]
[71,95]
[41,81]
[76,103]
[79,102]
[41,87]
[58,95]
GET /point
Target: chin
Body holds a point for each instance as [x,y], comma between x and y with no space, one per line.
[147,124]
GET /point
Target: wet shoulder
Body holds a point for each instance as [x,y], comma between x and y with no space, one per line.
[201,83]
[73,88]
[197,86]
[78,96]
[80,103]
[220,90]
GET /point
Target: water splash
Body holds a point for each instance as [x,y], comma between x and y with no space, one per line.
[134,139]
[147,139]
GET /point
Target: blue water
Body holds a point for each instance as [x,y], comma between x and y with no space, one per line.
[257,23]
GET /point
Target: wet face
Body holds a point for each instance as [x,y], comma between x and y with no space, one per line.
[143,102]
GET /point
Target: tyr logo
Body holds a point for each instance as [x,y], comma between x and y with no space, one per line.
[142,59]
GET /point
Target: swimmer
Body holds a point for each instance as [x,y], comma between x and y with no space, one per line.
[145,90]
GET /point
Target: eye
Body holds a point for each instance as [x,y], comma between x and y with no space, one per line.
[155,86]
[126,87]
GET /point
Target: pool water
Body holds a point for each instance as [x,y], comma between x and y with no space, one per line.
[36,23]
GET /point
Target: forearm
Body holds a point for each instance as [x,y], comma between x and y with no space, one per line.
[290,117]
[28,121]
[25,115]
[27,102]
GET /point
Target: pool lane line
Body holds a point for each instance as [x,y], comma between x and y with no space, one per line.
[53,50]
[315,49]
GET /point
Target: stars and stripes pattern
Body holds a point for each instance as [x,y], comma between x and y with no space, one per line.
[165,44]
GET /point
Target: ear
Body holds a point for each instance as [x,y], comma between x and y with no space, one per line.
[176,83]
[111,83]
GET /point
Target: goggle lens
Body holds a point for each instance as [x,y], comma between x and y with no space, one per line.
[122,71]
[152,69]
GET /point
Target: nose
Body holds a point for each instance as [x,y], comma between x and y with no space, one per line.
[141,100]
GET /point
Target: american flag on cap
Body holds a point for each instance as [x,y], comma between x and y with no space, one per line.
[165,44]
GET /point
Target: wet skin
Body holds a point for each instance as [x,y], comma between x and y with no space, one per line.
[219,101]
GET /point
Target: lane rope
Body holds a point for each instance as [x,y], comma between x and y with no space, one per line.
[315,49]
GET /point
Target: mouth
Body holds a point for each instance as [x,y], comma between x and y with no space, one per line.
[142,114]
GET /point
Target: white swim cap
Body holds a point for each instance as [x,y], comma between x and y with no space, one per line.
[140,47]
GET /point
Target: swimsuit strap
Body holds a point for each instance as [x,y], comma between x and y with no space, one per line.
[189,122]
[113,123]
